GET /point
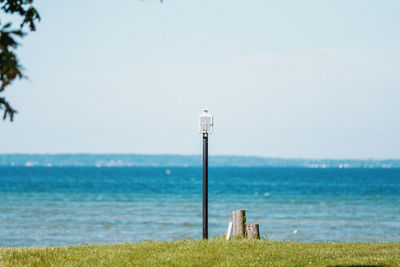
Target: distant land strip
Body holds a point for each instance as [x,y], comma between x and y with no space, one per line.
[166,160]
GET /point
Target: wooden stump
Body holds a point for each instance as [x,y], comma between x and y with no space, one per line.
[239,223]
[253,231]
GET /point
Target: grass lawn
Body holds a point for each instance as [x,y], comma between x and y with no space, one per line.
[214,252]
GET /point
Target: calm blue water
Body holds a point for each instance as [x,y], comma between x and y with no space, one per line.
[73,205]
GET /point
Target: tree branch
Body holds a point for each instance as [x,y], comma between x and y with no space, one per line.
[8,110]
[10,68]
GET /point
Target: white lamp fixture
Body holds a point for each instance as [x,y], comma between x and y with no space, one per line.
[206,122]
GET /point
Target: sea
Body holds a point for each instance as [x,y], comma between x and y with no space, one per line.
[60,206]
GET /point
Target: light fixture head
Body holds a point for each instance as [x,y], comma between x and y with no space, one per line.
[206,122]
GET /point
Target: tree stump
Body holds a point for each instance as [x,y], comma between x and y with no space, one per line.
[253,231]
[239,223]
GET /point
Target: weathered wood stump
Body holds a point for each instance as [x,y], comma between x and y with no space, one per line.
[239,223]
[253,231]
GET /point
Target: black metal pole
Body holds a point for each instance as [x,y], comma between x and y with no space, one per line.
[205,186]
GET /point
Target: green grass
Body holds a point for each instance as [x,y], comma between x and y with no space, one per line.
[214,252]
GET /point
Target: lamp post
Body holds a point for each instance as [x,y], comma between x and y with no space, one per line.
[206,125]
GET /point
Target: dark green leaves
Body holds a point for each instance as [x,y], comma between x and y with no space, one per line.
[10,68]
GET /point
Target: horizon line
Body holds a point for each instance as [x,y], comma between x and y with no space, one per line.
[191,155]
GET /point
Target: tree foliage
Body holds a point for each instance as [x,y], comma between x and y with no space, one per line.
[10,33]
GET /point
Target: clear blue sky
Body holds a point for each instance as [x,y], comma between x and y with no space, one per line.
[314,79]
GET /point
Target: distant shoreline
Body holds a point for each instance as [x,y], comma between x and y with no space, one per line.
[169,160]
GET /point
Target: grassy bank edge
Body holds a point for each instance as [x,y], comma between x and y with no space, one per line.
[214,252]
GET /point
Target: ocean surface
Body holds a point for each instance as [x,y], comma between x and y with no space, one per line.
[57,206]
